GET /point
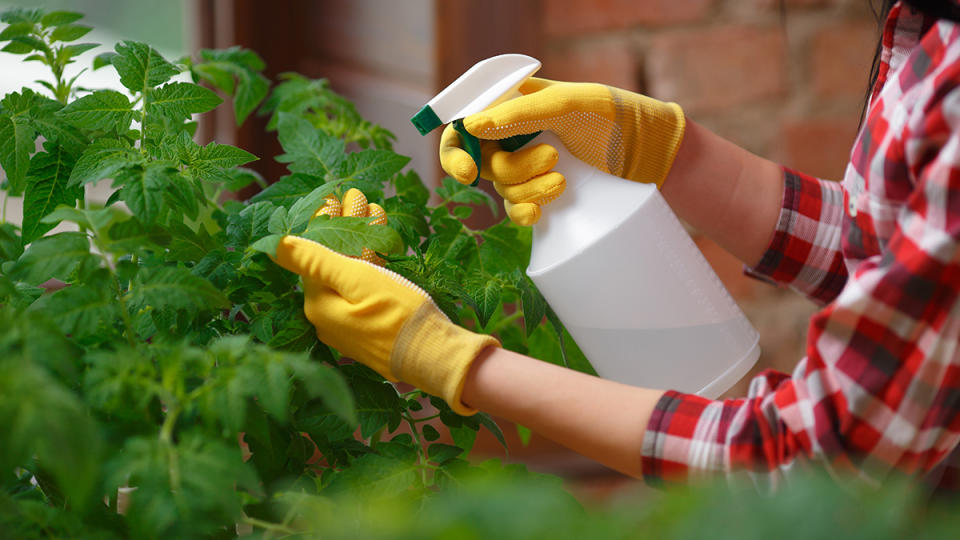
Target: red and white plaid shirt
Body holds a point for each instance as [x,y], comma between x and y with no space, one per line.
[879,390]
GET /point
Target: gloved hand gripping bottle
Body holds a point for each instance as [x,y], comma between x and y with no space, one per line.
[613,261]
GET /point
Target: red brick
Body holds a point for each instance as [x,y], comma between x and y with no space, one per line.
[610,63]
[775,4]
[840,59]
[717,68]
[565,17]
[819,146]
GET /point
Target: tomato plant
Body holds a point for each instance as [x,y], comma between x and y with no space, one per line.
[148,335]
[158,377]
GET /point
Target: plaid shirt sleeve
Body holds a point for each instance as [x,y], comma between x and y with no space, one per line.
[879,390]
[805,251]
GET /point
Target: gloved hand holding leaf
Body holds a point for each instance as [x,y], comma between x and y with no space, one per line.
[377,316]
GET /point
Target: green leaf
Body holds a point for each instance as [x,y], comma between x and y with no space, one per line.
[289,189]
[268,244]
[307,149]
[47,188]
[173,288]
[216,162]
[533,304]
[56,256]
[59,18]
[80,310]
[441,453]
[453,191]
[141,67]
[330,386]
[183,194]
[180,100]
[241,177]
[17,29]
[410,187]
[372,165]
[373,476]
[103,159]
[505,248]
[463,436]
[98,220]
[279,224]
[21,15]
[378,405]
[524,434]
[303,209]
[18,137]
[188,489]
[235,71]
[69,32]
[487,422]
[407,219]
[251,224]
[430,433]
[26,44]
[251,89]
[130,236]
[43,117]
[10,245]
[236,56]
[103,59]
[103,110]
[220,77]
[486,295]
[143,188]
[350,235]
[75,50]
[39,417]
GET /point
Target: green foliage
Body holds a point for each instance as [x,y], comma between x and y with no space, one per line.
[140,345]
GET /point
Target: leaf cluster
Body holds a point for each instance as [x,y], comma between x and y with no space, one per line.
[150,348]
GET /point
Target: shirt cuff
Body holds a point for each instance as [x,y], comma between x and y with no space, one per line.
[805,251]
[675,444]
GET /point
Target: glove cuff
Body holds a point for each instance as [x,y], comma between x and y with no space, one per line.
[434,354]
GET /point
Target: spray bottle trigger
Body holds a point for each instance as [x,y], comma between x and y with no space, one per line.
[471,144]
[512,144]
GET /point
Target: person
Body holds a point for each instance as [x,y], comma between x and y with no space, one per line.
[878,392]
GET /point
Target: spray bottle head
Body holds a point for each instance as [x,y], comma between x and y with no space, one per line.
[488,83]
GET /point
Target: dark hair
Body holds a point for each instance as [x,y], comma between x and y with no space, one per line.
[938,9]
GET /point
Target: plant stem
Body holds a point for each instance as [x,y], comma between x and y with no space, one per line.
[143,125]
[506,321]
[166,430]
[425,418]
[166,437]
[421,451]
[273,527]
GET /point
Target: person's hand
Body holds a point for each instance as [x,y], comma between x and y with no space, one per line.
[355,204]
[382,320]
[622,133]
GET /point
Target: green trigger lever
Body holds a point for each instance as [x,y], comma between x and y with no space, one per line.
[471,144]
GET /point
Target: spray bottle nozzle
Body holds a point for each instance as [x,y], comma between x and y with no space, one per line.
[487,83]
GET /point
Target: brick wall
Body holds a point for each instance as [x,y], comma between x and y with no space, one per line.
[786,86]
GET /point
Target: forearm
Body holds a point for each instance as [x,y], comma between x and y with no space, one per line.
[597,418]
[725,192]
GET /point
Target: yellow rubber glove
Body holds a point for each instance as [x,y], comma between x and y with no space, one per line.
[619,132]
[382,320]
[355,205]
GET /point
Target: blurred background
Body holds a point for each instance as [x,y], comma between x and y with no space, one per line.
[785,79]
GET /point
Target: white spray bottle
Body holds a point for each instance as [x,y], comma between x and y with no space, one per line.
[614,262]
